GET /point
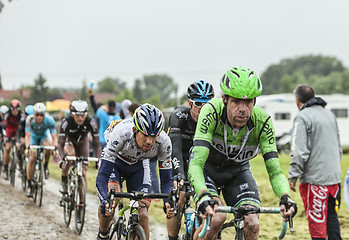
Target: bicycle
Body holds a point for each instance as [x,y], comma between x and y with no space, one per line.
[238,221]
[2,148]
[75,198]
[188,211]
[38,177]
[132,229]
[13,161]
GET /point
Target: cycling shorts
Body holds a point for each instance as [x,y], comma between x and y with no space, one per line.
[137,175]
[38,139]
[241,189]
[81,148]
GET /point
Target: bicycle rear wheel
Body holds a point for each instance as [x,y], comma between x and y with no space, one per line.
[13,166]
[136,234]
[79,207]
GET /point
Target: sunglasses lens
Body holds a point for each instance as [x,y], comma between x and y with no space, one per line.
[39,114]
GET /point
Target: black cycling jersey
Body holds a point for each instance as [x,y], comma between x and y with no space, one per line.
[76,133]
[181,131]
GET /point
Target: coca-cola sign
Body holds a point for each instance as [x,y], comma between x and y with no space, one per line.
[318,206]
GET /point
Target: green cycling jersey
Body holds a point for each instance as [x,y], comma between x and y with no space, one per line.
[222,150]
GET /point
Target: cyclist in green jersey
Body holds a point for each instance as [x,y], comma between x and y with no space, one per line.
[230,131]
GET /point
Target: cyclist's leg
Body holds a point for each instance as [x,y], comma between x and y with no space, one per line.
[218,219]
[139,179]
[69,150]
[8,146]
[242,190]
[34,139]
[174,224]
[47,141]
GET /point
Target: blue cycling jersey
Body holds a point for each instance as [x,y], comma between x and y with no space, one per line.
[39,129]
[104,120]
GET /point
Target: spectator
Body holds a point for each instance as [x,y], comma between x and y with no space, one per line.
[315,161]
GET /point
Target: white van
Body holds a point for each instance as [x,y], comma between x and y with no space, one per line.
[282,108]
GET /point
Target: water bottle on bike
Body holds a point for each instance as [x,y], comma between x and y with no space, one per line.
[189,219]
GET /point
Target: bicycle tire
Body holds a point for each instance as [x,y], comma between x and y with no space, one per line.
[1,156]
[67,204]
[116,229]
[24,175]
[78,207]
[13,166]
[40,183]
[137,231]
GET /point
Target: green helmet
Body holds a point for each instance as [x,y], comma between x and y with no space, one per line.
[241,83]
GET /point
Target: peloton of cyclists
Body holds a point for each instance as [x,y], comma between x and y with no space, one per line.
[229,132]
[182,125]
[130,145]
[13,122]
[39,130]
[73,138]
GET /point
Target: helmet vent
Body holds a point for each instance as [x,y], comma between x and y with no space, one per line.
[226,81]
[258,84]
[250,76]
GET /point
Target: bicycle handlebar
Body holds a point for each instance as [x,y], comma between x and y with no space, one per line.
[42,147]
[139,195]
[74,158]
[245,211]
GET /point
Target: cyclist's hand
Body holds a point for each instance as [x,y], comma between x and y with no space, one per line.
[206,206]
[105,209]
[293,186]
[287,206]
[169,211]
[178,181]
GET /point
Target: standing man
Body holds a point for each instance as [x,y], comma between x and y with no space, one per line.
[182,127]
[229,133]
[316,161]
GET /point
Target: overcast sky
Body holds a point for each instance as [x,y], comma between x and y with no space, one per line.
[72,40]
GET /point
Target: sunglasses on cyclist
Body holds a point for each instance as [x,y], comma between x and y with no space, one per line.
[198,104]
[39,114]
[79,114]
[14,108]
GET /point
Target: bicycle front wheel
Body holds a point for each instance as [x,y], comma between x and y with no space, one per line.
[67,202]
[80,201]
[39,184]
[24,175]
[137,233]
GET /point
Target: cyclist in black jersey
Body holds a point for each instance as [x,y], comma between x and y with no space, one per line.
[73,138]
[182,125]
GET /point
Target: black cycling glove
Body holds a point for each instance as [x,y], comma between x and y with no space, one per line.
[288,203]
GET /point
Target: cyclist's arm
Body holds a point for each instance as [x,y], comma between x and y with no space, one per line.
[267,145]
[176,139]
[104,172]
[27,139]
[62,137]
[299,150]
[201,147]
[53,131]
[165,166]
[27,131]
[93,103]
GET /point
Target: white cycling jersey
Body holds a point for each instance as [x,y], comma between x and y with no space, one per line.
[121,143]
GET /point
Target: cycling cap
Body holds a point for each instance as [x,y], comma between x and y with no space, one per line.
[15,103]
[241,83]
[148,119]
[4,109]
[39,108]
[200,91]
[29,109]
[78,106]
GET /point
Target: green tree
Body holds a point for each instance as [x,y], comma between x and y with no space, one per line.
[275,77]
[39,90]
[137,90]
[111,85]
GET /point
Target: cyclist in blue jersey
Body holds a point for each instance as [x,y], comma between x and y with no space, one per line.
[39,130]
